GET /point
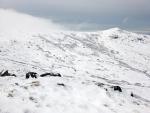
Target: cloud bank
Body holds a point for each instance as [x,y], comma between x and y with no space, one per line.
[87,14]
[12,21]
[80,6]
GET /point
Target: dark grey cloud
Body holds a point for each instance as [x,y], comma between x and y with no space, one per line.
[82,14]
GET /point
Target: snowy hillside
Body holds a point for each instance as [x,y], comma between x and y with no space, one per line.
[90,63]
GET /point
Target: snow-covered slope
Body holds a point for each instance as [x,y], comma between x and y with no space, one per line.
[90,64]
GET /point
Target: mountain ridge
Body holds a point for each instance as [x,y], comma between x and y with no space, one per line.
[91,64]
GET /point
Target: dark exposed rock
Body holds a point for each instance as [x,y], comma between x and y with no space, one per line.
[31,74]
[99,84]
[16,84]
[6,73]
[61,84]
[51,74]
[115,37]
[132,95]
[45,74]
[117,88]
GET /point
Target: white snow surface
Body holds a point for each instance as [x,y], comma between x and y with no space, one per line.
[90,64]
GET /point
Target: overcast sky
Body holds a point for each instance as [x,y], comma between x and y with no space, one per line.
[88,14]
